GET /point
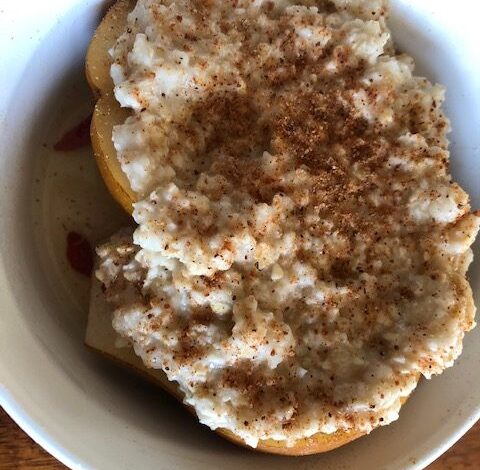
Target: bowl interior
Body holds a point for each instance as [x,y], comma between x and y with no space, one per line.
[88,412]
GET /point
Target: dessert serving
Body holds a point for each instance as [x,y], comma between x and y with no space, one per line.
[300,250]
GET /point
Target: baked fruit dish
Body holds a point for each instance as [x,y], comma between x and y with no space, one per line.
[300,250]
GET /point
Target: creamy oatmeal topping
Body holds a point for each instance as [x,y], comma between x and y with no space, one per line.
[301,249]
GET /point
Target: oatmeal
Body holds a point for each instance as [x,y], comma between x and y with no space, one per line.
[301,249]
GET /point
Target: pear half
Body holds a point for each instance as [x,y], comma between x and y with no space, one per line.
[100,334]
[102,338]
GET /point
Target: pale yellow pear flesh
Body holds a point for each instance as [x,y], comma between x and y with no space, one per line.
[107,111]
[106,115]
[98,60]
[100,334]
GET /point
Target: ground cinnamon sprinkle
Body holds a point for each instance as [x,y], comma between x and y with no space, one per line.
[303,229]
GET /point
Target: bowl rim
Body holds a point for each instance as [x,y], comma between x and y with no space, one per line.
[21,414]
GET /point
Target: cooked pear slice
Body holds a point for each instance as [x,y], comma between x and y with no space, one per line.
[100,335]
[107,112]
[102,338]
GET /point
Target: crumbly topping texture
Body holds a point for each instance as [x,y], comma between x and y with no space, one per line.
[301,249]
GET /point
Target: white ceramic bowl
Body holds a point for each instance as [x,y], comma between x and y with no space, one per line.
[88,413]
